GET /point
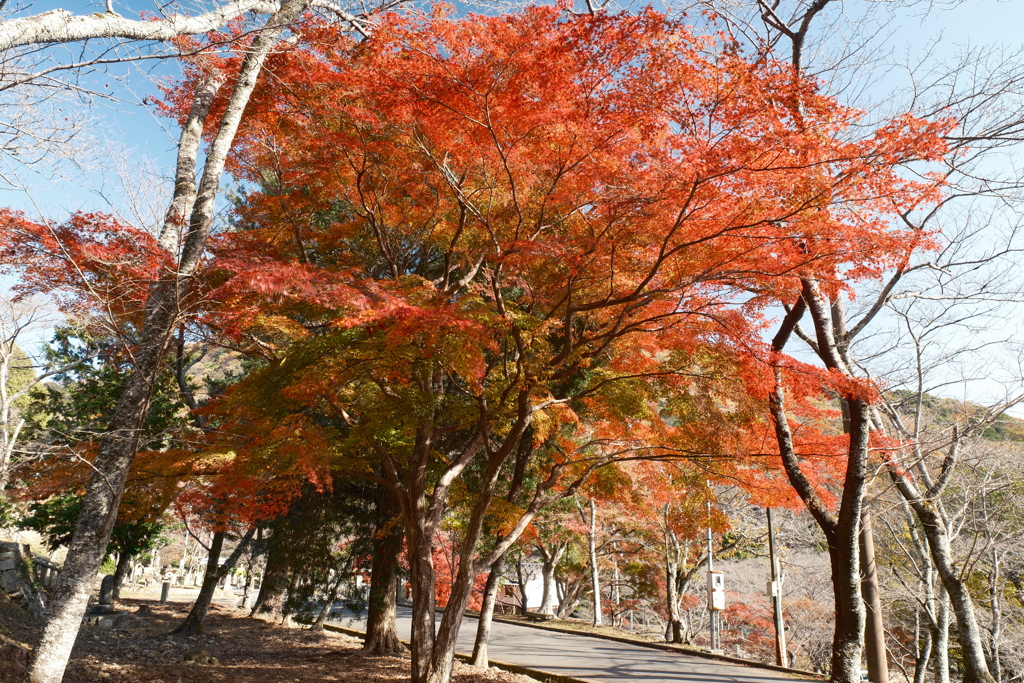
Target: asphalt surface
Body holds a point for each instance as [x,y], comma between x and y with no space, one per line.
[595,659]
[579,656]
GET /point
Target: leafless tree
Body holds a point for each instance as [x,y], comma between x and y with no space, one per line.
[981,90]
[983,528]
[944,317]
[56,66]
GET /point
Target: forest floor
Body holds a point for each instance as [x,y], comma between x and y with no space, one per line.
[236,649]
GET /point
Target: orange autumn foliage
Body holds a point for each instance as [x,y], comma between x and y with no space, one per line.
[612,194]
[464,232]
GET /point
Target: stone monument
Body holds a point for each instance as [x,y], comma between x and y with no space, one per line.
[107,593]
[103,614]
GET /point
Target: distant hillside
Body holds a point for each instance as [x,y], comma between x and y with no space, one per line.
[1006,428]
[217,369]
[948,410]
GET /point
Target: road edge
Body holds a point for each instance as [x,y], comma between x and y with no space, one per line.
[664,647]
[538,674]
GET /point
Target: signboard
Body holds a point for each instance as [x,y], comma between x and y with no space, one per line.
[716,590]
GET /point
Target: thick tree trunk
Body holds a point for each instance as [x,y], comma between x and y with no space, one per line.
[444,646]
[433,653]
[215,571]
[193,624]
[570,598]
[524,453]
[119,443]
[123,560]
[270,597]
[551,559]
[381,629]
[968,630]
[547,600]
[440,658]
[275,578]
[442,654]
[874,633]
[118,446]
[288,604]
[421,575]
[842,532]
[849,611]
[61,26]
[483,627]
[844,551]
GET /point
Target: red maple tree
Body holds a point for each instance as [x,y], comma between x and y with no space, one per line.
[467,232]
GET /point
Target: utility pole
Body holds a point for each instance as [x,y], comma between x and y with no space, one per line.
[874,634]
[781,656]
[712,612]
[713,588]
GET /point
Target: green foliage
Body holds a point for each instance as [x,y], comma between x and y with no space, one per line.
[735,546]
[947,411]
[219,370]
[1005,428]
[79,405]
[323,520]
[20,375]
[11,510]
[55,520]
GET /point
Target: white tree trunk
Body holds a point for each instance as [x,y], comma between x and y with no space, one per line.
[941,648]
[595,574]
[61,26]
[551,558]
[118,446]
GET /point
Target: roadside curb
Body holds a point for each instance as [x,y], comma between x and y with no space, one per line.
[348,631]
[542,676]
[664,647]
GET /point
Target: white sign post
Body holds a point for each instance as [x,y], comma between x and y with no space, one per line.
[716,590]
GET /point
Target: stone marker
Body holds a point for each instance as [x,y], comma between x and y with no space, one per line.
[103,614]
[165,591]
[107,590]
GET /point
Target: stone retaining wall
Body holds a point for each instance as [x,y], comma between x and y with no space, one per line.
[23,580]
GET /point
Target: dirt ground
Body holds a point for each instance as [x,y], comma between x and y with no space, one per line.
[236,649]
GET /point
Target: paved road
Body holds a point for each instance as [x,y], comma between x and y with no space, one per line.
[594,658]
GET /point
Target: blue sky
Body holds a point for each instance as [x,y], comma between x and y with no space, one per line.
[972,22]
[128,134]
[135,132]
